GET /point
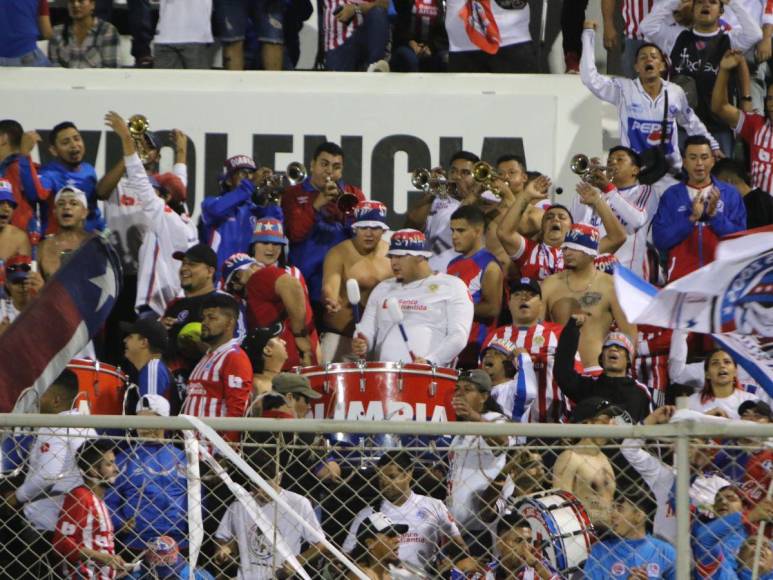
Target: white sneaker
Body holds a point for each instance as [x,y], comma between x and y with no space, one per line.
[380,66]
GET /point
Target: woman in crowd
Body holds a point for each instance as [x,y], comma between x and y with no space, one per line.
[721,394]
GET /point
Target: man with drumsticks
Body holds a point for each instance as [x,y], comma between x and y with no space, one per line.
[417,316]
[361,259]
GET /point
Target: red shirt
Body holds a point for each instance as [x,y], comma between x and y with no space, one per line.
[299,212]
[23,175]
[220,385]
[84,522]
[265,308]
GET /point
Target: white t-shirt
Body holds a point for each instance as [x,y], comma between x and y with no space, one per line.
[257,558]
[51,473]
[474,465]
[127,221]
[429,523]
[728,404]
[513,24]
[437,316]
[438,228]
[184,21]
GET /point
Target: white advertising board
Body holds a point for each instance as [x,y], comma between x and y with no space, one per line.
[388,124]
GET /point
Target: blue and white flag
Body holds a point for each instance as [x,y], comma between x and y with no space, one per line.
[730,298]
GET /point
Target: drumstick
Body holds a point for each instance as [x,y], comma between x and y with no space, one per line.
[396,316]
[353,294]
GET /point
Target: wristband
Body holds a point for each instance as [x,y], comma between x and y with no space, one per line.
[745,98]
[302,334]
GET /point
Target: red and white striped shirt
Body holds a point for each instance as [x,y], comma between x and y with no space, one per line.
[538,260]
[634,12]
[84,522]
[540,341]
[335,32]
[220,385]
[757,131]
[651,366]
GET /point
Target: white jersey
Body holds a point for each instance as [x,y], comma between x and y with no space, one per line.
[127,222]
[473,465]
[257,558]
[513,24]
[437,317]
[184,21]
[641,117]
[727,404]
[438,228]
[634,207]
[659,26]
[165,232]
[519,397]
[661,479]
[429,525]
[51,473]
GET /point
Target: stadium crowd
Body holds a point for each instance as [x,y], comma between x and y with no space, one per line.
[489,276]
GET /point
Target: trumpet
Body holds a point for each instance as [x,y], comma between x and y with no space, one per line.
[138,129]
[271,187]
[345,201]
[433,181]
[485,174]
[586,167]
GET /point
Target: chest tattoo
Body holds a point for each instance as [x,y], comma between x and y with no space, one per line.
[590,299]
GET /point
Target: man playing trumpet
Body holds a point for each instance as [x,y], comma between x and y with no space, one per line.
[316,221]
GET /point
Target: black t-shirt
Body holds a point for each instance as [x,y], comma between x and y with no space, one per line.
[759,208]
[698,56]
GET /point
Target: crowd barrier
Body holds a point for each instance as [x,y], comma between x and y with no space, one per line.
[179,478]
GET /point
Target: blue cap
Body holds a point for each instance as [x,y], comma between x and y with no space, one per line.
[408,242]
[269,231]
[6,192]
[233,264]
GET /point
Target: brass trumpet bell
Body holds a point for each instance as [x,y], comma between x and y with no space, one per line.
[138,129]
[485,174]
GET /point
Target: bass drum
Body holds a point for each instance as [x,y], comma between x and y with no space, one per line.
[378,391]
[560,527]
[101,385]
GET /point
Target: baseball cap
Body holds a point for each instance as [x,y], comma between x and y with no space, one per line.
[477,377]
[153,330]
[169,183]
[583,238]
[162,551]
[269,231]
[526,284]
[379,523]
[408,242]
[72,191]
[287,383]
[370,214]
[235,263]
[593,407]
[504,346]
[236,162]
[6,192]
[154,403]
[759,407]
[621,340]
[18,267]
[200,253]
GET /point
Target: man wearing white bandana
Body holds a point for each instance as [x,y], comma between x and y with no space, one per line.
[436,309]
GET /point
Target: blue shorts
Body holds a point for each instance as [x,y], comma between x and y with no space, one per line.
[230,18]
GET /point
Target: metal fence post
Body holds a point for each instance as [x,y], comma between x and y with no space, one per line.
[683,548]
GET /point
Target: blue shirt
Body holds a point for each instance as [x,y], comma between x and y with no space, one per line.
[155,379]
[615,558]
[55,175]
[18,27]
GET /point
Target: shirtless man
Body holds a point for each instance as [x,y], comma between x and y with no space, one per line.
[362,258]
[581,288]
[584,470]
[13,240]
[543,257]
[70,211]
